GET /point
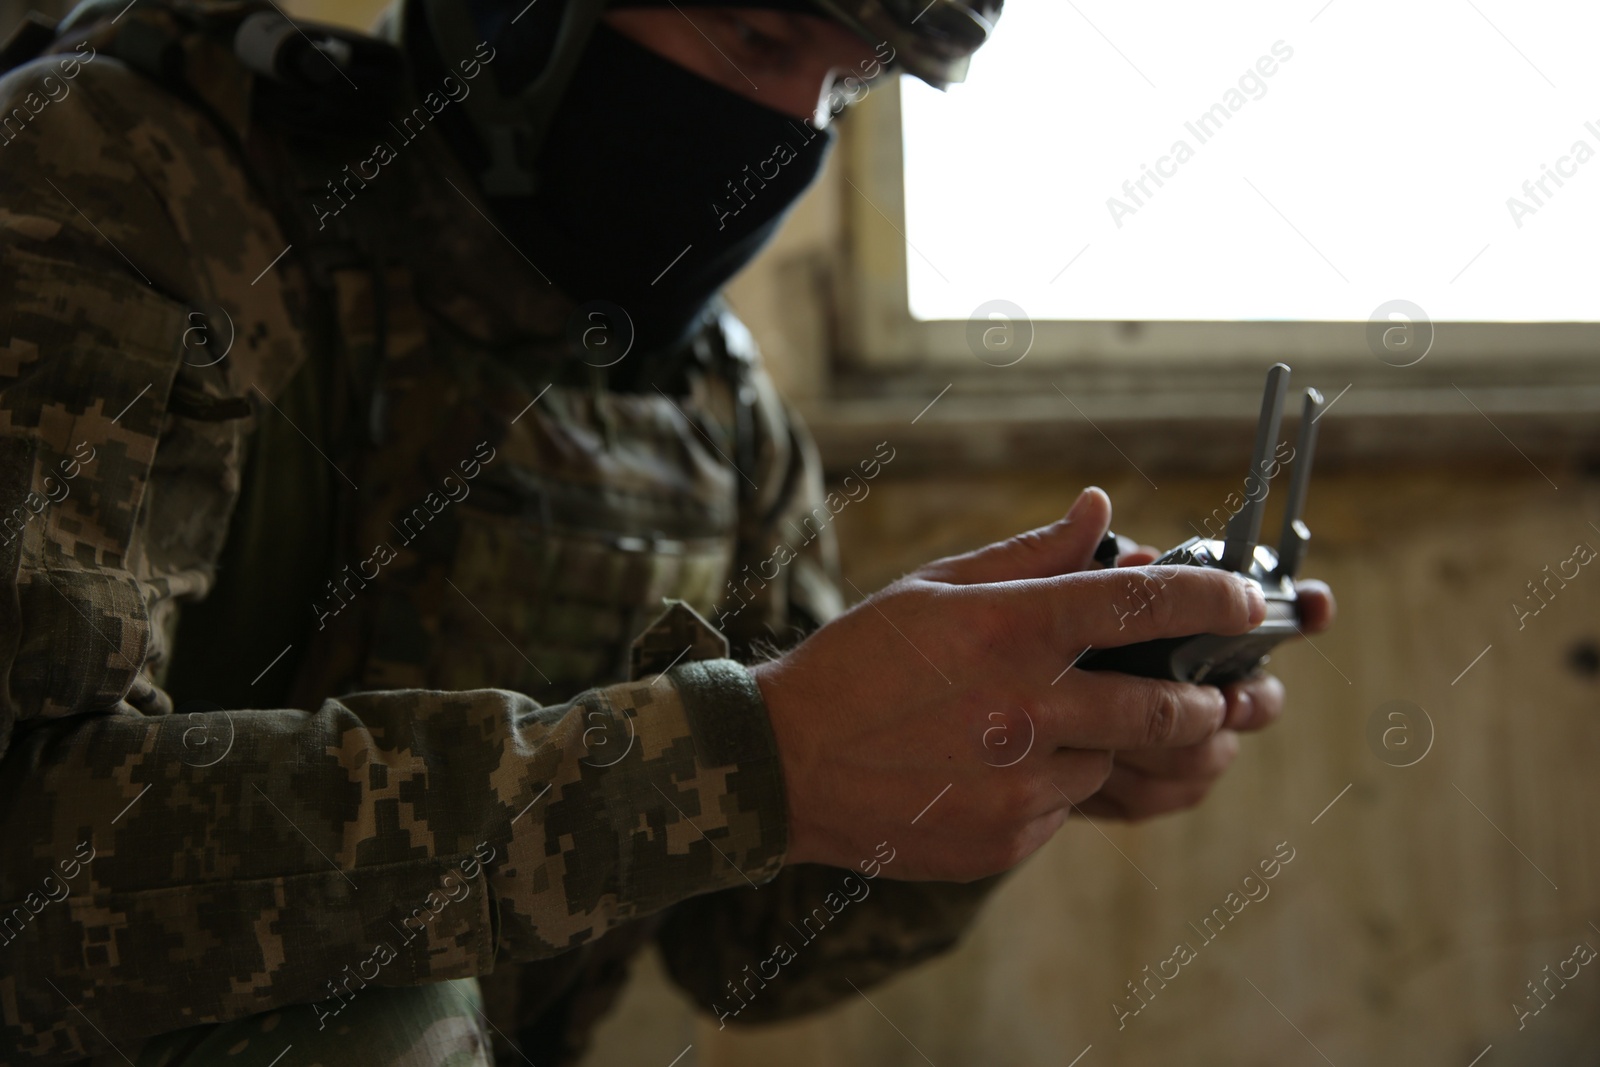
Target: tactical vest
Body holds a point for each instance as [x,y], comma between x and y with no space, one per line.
[506,513]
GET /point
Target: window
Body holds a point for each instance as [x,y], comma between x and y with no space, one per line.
[1167,183]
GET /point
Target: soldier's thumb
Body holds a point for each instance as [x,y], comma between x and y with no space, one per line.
[1063,547]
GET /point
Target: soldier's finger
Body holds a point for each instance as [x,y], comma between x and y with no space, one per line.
[1063,547]
[1254,703]
[1207,760]
[1130,795]
[1107,710]
[1317,608]
[1139,557]
[1127,605]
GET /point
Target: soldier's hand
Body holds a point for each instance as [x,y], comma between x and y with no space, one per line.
[938,714]
[1154,782]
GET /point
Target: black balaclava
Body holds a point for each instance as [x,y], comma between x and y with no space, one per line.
[655,186]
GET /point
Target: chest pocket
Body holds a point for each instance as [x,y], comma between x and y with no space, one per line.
[510,533]
[593,508]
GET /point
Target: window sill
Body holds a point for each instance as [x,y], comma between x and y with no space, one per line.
[1045,423]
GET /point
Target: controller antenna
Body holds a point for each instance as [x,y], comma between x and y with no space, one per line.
[1292,542]
[1244,529]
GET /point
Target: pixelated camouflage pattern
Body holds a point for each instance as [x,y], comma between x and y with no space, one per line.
[469,715]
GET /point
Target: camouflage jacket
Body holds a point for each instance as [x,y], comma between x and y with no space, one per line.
[326,563]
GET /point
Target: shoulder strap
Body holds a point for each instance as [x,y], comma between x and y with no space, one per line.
[240,60]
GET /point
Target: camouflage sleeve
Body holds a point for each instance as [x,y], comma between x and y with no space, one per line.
[388,838]
[800,943]
[149,882]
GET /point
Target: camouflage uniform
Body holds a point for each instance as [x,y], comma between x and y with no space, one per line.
[340,474]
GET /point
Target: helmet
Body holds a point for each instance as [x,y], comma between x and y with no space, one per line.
[931,40]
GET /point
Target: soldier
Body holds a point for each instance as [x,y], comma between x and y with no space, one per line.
[366,400]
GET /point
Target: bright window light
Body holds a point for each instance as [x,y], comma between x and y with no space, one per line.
[1263,161]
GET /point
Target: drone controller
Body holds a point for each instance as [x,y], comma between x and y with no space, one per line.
[1212,658]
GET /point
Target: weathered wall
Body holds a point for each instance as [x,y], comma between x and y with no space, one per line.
[1409,919]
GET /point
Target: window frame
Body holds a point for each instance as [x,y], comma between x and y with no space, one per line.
[880,340]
